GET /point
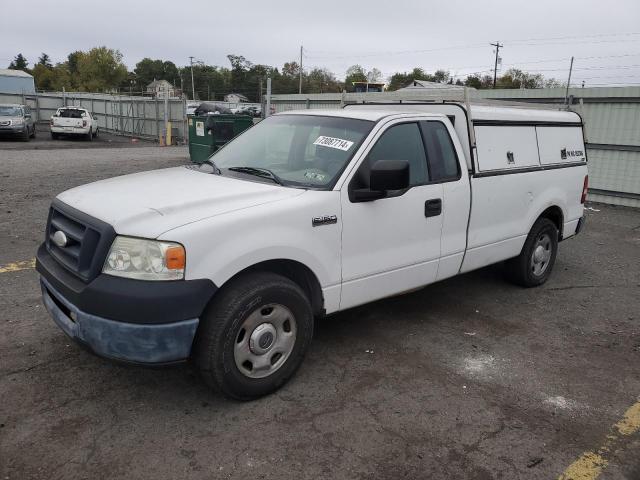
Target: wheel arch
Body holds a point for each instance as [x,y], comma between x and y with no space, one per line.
[556,215]
[295,271]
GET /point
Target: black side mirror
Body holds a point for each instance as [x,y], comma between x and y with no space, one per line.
[389,175]
[385,175]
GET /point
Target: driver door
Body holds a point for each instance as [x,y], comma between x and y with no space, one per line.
[391,245]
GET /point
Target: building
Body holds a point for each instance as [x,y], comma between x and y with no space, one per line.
[235,98]
[422,84]
[16,81]
[364,87]
[162,89]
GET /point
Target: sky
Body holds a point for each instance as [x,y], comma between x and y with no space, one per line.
[539,36]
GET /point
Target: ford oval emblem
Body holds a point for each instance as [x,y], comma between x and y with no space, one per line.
[60,239]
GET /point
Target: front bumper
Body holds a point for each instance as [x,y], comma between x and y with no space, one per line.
[128,320]
[12,130]
[130,342]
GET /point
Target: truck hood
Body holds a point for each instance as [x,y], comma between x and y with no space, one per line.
[148,204]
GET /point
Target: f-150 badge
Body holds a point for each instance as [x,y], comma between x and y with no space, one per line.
[326,220]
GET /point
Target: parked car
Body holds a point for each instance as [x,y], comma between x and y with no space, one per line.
[76,121]
[306,214]
[17,120]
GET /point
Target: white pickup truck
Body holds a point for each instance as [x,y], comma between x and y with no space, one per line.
[305,214]
[76,121]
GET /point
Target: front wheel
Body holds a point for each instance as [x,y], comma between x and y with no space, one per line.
[254,335]
[534,264]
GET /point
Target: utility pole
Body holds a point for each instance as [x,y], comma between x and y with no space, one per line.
[300,86]
[566,95]
[193,85]
[498,45]
[267,107]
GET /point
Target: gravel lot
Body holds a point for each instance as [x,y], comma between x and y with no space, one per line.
[43,141]
[471,378]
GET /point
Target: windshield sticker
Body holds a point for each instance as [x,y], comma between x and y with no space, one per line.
[318,177]
[332,142]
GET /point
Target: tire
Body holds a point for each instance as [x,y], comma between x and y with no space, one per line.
[95,134]
[536,260]
[54,136]
[89,136]
[26,136]
[258,318]
[33,133]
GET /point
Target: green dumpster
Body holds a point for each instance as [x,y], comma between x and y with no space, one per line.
[207,133]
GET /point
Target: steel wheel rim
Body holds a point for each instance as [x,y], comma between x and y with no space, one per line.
[541,255]
[265,340]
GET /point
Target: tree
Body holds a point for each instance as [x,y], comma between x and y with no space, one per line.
[19,63]
[515,78]
[374,75]
[321,80]
[100,70]
[441,76]
[355,73]
[148,70]
[475,81]
[72,62]
[45,60]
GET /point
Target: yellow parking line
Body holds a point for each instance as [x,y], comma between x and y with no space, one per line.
[630,423]
[17,266]
[590,464]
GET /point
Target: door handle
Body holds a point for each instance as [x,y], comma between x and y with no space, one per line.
[433,208]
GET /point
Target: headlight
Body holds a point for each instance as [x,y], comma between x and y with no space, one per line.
[145,259]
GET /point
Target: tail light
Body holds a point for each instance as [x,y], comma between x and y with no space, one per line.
[84,123]
[51,122]
[585,187]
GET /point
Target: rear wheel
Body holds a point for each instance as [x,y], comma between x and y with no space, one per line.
[95,134]
[54,136]
[33,132]
[89,136]
[254,335]
[534,264]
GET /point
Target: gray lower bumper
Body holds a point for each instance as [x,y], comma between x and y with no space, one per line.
[137,343]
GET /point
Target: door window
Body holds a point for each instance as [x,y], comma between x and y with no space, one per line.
[443,160]
[400,142]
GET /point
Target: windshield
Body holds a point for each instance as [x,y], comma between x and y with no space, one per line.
[10,111]
[301,150]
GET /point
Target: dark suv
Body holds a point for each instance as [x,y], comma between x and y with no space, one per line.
[17,120]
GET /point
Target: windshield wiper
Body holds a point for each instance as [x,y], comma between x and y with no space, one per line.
[258,172]
[216,170]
